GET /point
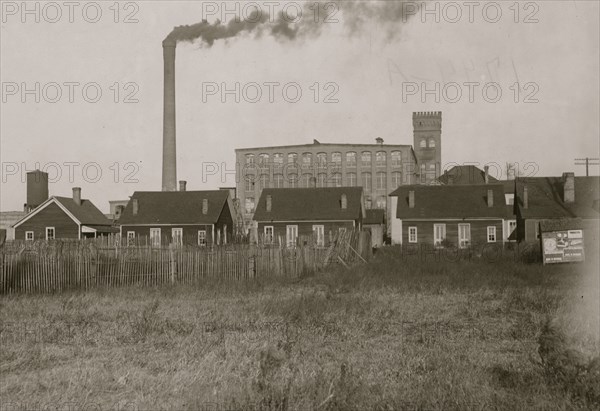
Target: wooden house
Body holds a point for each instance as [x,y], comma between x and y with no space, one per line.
[289,215]
[179,217]
[449,215]
[63,218]
[550,198]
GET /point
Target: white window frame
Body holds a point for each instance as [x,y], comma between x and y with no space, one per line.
[349,155]
[278,181]
[367,184]
[396,179]
[396,158]
[154,234]
[319,231]
[491,232]
[351,179]
[289,230]
[412,234]
[363,156]
[437,241]
[381,180]
[381,159]
[202,238]
[464,242]
[53,233]
[224,234]
[177,239]
[130,237]
[218,236]
[269,239]
[32,236]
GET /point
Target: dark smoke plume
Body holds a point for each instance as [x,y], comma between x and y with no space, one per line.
[389,16]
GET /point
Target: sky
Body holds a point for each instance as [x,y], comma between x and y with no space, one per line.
[356,84]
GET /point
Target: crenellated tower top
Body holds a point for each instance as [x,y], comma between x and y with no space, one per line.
[427,120]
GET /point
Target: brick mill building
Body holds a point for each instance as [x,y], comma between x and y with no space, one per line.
[378,168]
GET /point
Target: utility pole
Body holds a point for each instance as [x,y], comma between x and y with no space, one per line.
[587,162]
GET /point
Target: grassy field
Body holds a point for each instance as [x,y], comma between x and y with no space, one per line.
[398,333]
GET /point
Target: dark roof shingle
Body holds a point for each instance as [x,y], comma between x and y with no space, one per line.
[309,204]
[468,174]
[545,198]
[452,201]
[87,213]
[174,207]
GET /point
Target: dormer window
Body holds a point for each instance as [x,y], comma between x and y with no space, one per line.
[510,198]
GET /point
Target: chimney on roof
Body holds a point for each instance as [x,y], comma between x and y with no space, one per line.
[525,198]
[77,195]
[490,198]
[344,202]
[205,206]
[411,199]
[182,185]
[136,206]
[379,140]
[568,187]
[269,204]
[487,174]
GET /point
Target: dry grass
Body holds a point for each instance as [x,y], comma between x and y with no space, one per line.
[399,333]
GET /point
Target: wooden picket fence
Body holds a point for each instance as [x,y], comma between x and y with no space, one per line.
[44,267]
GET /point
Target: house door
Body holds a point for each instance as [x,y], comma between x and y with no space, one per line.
[291,234]
[464,235]
[177,236]
[319,232]
[439,234]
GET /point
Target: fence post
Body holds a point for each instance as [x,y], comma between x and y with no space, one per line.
[173,262]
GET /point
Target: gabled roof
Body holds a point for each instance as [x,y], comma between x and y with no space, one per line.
[175,207]
[468,174]
[86,213]
[545,198]
[310,204]
[451,202]
[374,216]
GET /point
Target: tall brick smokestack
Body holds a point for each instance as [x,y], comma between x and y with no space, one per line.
[169,162]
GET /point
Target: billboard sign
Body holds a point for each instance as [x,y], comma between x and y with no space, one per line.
[563,246]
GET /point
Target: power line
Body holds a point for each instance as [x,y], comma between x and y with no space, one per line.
[587,162]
